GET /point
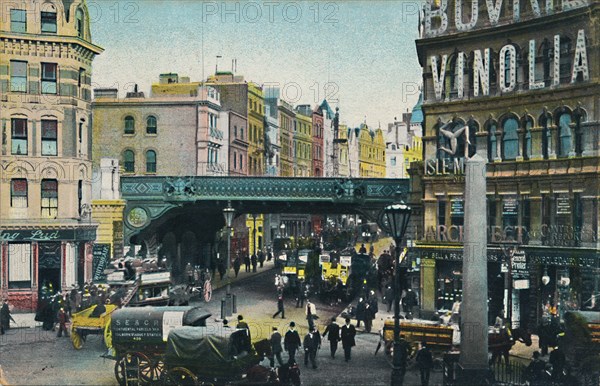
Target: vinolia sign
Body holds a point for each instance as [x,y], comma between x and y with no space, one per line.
[436,23]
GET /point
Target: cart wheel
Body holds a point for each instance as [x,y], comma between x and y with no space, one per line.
[180,376]
[76,339]
[158,367]
[207,291]
[134,369]
[107,335]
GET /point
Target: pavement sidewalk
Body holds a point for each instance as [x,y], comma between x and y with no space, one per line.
[27,320]
[519,350]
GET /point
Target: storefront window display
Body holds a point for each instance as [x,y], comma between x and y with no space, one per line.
[449,284]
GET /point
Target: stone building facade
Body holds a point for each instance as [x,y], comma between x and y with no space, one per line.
[168,135]
[371,152]
[515,86]
[46,232]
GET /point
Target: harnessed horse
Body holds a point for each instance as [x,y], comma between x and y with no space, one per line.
[500,343]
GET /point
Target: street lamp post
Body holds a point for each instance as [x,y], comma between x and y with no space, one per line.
[228,213]
[254,232]
[397,216]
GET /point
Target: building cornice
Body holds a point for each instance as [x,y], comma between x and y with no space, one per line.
[60,39]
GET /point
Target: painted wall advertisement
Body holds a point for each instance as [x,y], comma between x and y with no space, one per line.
[100,259]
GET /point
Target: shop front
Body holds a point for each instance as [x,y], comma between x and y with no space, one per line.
[524,283]
[43,258]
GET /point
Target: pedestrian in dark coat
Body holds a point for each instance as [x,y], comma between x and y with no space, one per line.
[535,371]
[425,362]
[222,268]
[63,318]
[261,258]
[291,343]
[5,317]
[280,309]
[312,342]
[237,263]
[213,266]
[247,263]
[300,293]
[545,332]
[373,303]
[348,332]
[254,262]
[361,310]
[276,347]
[333,329]
[388,297]
[242,325]
[557,360]
[368,318]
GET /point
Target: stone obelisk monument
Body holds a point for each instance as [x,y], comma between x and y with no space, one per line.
[473,360]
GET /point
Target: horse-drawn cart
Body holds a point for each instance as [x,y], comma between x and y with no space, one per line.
[195,356]
[441,338]
[139,339]
[87,322]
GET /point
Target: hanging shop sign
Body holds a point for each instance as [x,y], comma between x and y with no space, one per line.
[563,205]
[457,207]
[100,259]
[48,235]
[519,267]
[510,206]
[118,239]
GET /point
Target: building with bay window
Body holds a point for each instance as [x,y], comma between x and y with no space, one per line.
[515,86]
[46,232]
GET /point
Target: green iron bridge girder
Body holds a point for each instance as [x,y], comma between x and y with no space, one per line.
[150,198]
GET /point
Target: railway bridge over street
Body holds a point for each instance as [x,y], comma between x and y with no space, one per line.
[172,212]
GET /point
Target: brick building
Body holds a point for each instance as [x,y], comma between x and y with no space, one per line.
[515,86]
[46,232]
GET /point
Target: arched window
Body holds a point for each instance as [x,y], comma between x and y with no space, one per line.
[129,161]
[492,150]
[545,121]
[510,139]
[79,23]
[150,161]
[151,125]
[527,123]
[129,125]
[564,134]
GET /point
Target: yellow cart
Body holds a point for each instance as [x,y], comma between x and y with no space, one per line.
[83,325]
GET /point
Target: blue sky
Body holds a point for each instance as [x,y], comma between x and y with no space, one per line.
[362,54]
